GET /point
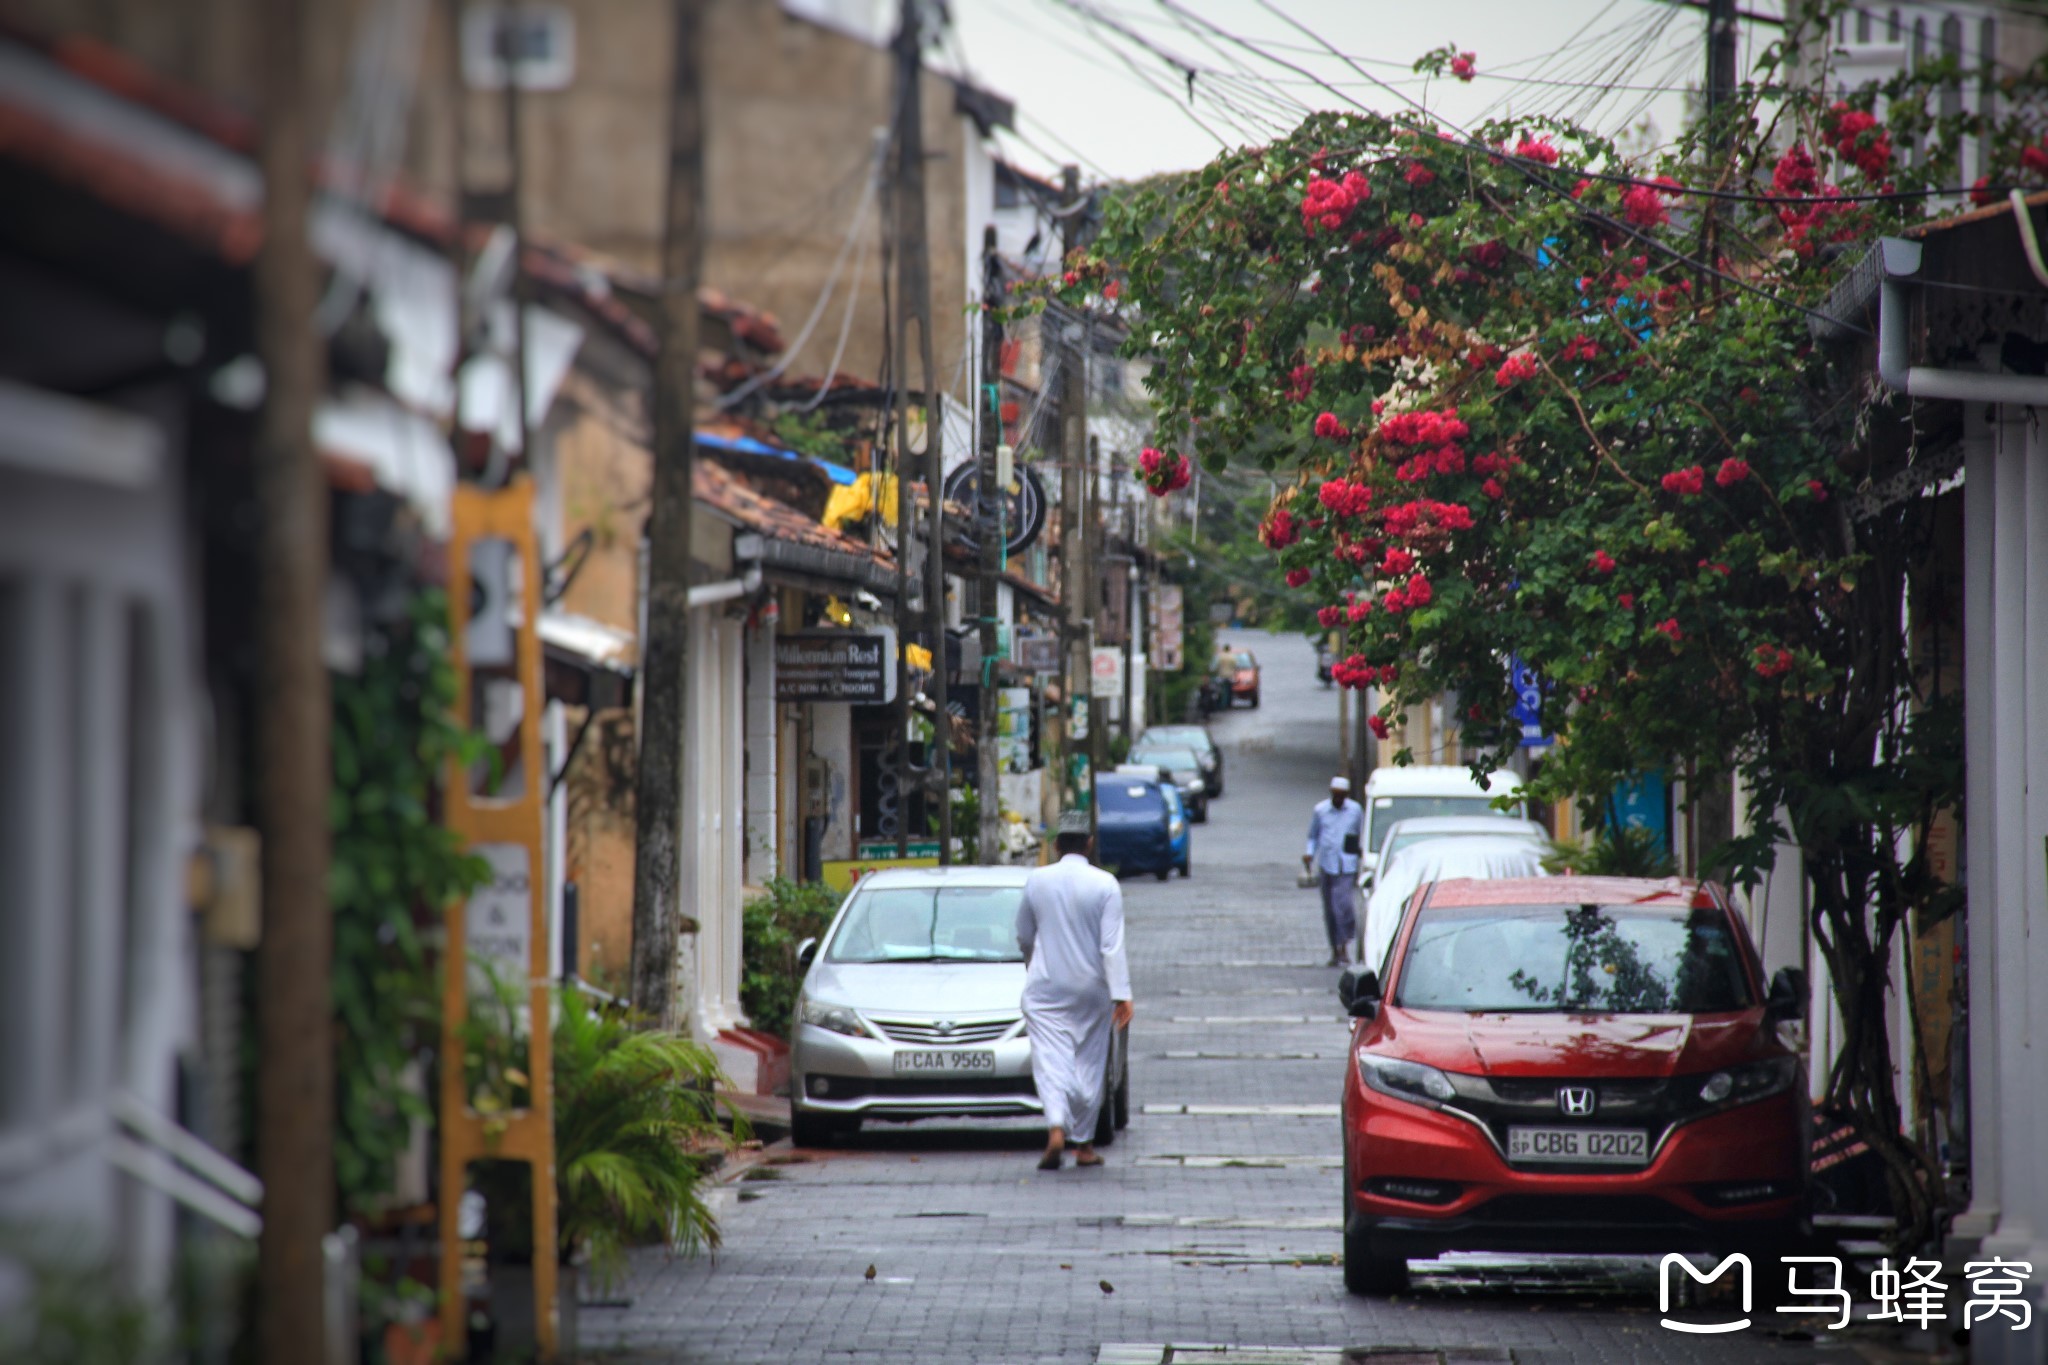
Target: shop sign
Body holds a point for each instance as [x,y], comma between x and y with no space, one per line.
[836,665]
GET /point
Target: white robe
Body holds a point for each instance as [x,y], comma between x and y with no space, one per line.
[1070,925]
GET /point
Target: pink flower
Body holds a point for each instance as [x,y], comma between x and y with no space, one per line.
[1419,591]
[1627,600]
[1359,610]
[1300,381]
[1795,172]
[1378,726]
[1773,661]
[1668,628]
[1493,488]
[1330,429]
[1464,65]
[1732,471]
[1685,482]
[1514,369]
[1581,347]
[1818,489]
[1416,220]
[1071,278]
[1280,532]
[1418,174]
[1297,577]
[1537,149]
[1327,617]
[1603,562]
[2035,157]
[1328,203]
[1396,563]
[1112,289]
[1644,206]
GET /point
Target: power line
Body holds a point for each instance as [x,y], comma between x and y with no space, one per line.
[1539,180]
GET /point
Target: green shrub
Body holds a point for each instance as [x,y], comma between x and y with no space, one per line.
[772,927]
[1612,853]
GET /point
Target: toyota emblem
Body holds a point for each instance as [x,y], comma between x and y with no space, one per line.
[945,1028]
[1575,1101]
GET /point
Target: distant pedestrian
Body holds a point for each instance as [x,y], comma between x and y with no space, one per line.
[1333,834]
[1077,988]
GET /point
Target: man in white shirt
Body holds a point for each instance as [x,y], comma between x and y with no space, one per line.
[1334,831]
[1077,988]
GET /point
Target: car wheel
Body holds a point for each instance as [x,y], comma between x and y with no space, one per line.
[1163,873]
[1255,701]
[1201,814]
[1367,1274]
[818,1130]
[1186,863]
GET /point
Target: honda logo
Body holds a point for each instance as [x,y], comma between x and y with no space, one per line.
[1575,1101]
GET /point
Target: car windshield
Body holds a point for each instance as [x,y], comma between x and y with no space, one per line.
[1385,810]
[930,924]
[1173,760]
[1407,839]
[1131,800]
[1193,736]
[1572,959]
[1247,661]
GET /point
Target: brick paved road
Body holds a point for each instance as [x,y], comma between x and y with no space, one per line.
[1213,1228]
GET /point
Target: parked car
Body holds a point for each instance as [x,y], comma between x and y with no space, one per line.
[1141,826]
[909,1009]
[1423,828]
[1196,737]
[1181,766]
[1394,793]
[1584,1064]
[1433,861]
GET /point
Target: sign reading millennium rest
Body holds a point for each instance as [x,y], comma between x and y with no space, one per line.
[836,665]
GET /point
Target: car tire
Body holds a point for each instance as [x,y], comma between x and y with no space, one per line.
[1200,814]
[1367,1275]
[818,1130]
[1255,701]
[1186,864]
[1163,873]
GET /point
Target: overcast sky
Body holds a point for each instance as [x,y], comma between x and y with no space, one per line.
[1088,93]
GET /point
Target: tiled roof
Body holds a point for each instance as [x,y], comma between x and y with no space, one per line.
[719,488]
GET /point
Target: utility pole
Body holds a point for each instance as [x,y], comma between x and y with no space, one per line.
[1091,517]
[1073,458]
[991,502]
[1721,56]
[1127,528]
[294,1011]
[664,859]
[914,308]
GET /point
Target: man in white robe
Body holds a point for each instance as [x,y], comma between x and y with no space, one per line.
[1077,988]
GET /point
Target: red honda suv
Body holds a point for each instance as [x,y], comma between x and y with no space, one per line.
[1580,1064]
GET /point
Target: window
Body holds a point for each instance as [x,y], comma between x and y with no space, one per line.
[919,924]
[541,38]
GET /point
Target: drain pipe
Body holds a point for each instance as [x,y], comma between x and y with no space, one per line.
[1900,259]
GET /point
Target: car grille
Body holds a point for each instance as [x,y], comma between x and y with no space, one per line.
[926,1032]
[1653,1104]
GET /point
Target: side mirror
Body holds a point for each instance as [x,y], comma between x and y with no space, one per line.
[1788,997]
[805,951]
[1360,992]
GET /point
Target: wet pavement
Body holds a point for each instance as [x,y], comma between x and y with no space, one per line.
[1212,1235]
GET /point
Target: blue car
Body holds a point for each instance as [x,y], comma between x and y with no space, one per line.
[1141,826]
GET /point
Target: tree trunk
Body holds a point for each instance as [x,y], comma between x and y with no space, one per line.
[295,1049]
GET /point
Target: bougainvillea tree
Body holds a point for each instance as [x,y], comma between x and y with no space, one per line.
[1529,399]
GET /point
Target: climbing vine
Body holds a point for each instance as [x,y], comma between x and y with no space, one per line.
[395,866]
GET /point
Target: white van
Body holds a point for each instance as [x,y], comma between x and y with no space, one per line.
[1393,793]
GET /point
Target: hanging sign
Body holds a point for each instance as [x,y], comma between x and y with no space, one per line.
[836,665]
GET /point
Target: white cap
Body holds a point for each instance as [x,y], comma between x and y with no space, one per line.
[1340,784]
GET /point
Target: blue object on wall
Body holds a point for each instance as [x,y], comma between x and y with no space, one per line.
[1529,691]
[1644,803]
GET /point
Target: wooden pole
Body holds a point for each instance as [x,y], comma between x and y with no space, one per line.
[664,858]
[294,1013]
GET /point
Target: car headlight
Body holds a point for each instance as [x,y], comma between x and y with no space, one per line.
[1404,1080]
[835,1018]
[1196,786]
[1750,1082]
[1173,830]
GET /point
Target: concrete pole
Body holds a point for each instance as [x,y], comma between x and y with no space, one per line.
[989,527]
[1073,481]
[294,963]
[664,859]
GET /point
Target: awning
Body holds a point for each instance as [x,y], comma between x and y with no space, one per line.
[747,445]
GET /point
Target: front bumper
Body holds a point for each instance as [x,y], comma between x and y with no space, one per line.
[1723,1182]
[833,1073]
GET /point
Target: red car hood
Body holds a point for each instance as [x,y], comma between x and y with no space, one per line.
[1569,1044]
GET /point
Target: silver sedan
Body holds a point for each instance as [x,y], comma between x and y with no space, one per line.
[909,1008]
